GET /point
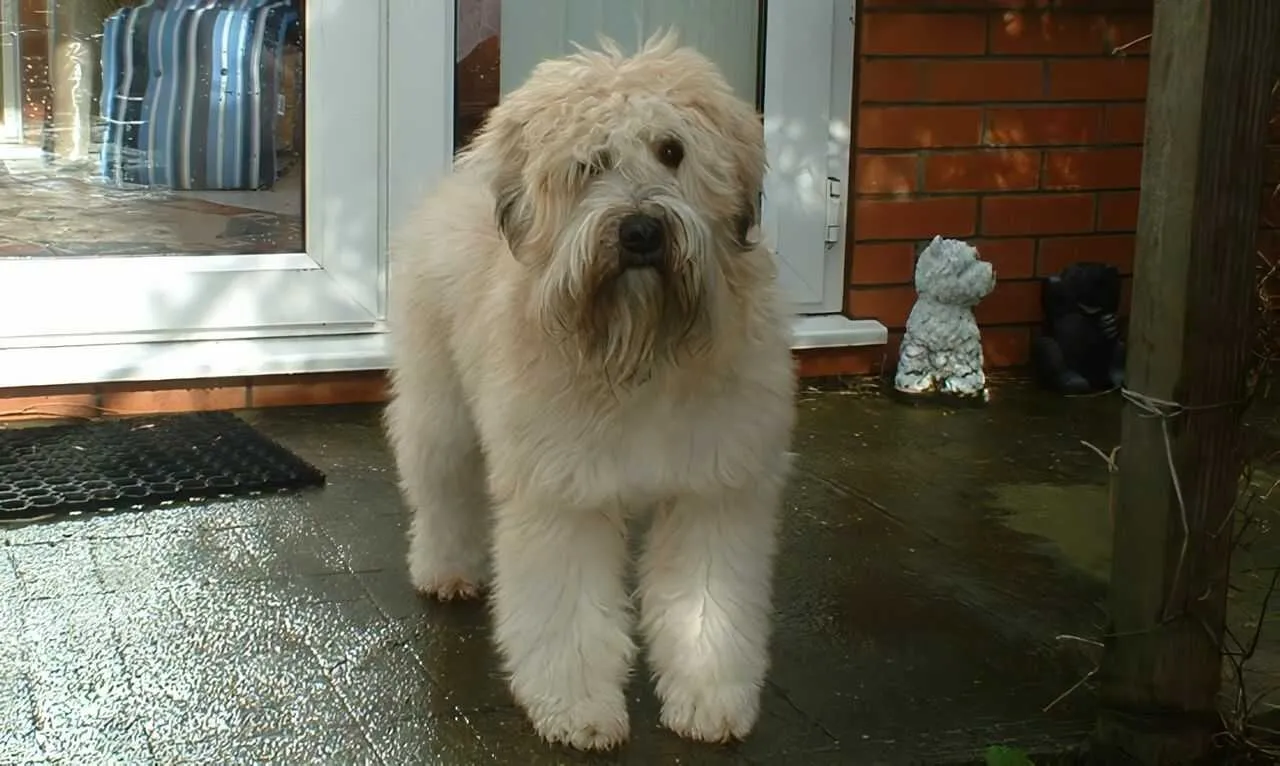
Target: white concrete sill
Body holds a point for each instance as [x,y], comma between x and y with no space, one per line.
[248,357]
[836,331]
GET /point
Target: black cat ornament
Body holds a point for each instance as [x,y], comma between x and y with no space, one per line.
[1080,349]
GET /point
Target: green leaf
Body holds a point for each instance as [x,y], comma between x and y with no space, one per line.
[999,755]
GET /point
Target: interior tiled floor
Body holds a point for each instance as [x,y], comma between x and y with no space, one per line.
[914,625]
[52,211]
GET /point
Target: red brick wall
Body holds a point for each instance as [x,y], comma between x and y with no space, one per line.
[1004,122]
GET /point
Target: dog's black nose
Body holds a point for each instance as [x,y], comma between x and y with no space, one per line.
[640,235]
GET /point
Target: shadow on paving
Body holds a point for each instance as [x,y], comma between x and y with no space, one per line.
[931,561]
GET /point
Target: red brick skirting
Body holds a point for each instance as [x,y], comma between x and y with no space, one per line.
[186,396]
[79,402]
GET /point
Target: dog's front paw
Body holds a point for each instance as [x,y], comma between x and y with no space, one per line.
[445,580]
[449,589]
[443,573]
[593,724]
[712,713]
[444,584]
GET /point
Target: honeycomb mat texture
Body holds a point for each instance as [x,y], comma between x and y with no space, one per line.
[141,462]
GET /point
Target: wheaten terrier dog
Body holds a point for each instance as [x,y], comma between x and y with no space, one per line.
[585,327]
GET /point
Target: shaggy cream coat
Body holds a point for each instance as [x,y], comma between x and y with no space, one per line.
[542,395]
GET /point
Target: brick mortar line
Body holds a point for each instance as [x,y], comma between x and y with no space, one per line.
[977,212]
[986,11]
[895,333]
[1041,103]
[867,285]
[101,390]
[999,237]
[980,151]
[995,193]
[1048,58]
[880,151]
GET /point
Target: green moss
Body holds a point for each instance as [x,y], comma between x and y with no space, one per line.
[1074,518]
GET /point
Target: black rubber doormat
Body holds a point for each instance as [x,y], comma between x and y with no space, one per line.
[141,462]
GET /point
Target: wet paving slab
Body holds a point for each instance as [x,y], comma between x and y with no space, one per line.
[933,559]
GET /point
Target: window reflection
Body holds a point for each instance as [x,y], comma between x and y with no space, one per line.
[478,65]
[153,127]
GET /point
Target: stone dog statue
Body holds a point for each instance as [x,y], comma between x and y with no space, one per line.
[942,350]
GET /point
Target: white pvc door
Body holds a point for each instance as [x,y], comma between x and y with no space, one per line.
[777,54]
[105,276]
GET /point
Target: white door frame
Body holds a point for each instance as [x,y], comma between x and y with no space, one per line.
[797,118]
[380,80]
[10,72]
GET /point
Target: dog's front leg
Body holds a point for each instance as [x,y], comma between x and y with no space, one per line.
[706,610]
[562,620]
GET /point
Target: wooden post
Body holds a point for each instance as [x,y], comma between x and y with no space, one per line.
[1190,334]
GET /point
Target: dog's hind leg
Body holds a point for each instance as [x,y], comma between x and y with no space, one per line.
[443,481]
[705,582]
[562,621]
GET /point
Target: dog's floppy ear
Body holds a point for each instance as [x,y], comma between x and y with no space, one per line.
[744,130]
[747,218]
[498,151]
[511,210]
[749,156]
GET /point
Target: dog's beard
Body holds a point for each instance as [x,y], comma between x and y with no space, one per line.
[626,322]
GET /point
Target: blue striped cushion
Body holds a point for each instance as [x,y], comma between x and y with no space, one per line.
[190,90]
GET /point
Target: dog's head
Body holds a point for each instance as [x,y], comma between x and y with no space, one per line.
[629,188]
[950,272]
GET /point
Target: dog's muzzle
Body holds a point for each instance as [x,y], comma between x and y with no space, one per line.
[641,239]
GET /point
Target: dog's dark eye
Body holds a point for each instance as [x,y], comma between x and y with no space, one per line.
[671,153]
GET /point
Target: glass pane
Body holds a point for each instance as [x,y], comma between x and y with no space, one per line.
[500,41]
[156,127]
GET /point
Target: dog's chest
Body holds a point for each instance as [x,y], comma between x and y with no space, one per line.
[651,447]
[670,446]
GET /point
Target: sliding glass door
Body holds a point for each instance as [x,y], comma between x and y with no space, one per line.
[204,188]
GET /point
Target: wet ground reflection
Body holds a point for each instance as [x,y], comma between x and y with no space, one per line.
[914,623]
